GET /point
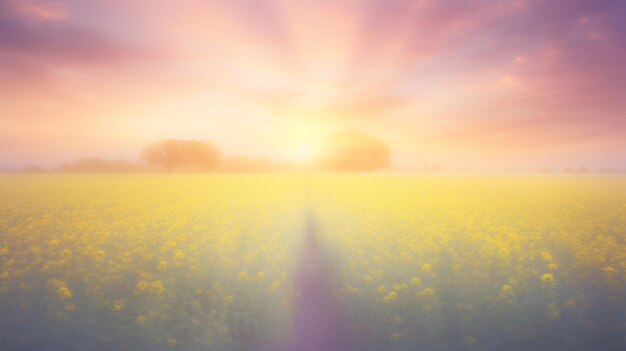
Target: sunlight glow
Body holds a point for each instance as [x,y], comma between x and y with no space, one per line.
[305,152]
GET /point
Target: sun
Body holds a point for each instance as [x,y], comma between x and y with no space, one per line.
[305,152]
[304,140]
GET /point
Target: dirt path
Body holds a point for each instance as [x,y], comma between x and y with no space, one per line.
[318,322]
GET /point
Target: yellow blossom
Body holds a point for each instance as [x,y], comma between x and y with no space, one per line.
[547,278]
[64,292]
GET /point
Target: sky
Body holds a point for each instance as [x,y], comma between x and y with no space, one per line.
[457,83]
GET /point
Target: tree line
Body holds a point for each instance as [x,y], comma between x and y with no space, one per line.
[345,151]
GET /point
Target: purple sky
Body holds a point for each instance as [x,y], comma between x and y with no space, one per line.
[465,83]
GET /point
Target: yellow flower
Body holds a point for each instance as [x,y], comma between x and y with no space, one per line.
[228,299]
[64,292]
[117,306]
[142,285]
[157,286]
[275,285]
[547,278]
[179,255]
[100,255]
[390,297]
[546,256]
[172,342]
[428,292]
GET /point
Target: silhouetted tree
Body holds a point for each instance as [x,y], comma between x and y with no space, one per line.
[175,154]
[354,151]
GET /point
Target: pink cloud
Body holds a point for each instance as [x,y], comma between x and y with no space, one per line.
[476,73]
[42,10]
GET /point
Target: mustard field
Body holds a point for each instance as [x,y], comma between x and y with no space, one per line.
[223,262]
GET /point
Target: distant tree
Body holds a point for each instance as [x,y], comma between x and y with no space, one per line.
[174,154]
[354,151]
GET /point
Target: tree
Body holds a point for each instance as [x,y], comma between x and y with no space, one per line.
[174,154]
[354,151]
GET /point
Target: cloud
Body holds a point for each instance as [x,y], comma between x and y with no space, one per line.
[59,41]
[475,73]
[45,10]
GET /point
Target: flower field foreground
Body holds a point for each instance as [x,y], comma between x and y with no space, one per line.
[479,263]
[196,262]
[146,262]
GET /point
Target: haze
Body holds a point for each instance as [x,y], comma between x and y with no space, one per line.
[470,83]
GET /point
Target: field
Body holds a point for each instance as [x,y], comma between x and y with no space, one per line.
[229,262]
